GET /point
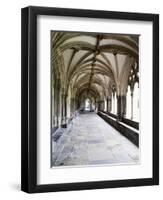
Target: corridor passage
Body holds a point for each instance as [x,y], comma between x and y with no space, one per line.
[92,141]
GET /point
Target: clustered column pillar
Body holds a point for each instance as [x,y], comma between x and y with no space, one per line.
[107,105]
[65,113]
[114,103]
[57,101]
[54,102]
[100,105]
[72,106]
[62,107]
[103,105]
[121,107]
[131,104]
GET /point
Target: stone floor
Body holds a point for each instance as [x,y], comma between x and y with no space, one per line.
[91,141]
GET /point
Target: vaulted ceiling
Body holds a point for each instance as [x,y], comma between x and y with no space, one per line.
[92,64]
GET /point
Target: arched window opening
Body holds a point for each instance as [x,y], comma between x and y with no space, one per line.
[87,105]
[115,104]
[133,94]
[128,103]
[105,105]
[136,102]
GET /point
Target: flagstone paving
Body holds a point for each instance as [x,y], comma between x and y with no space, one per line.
[92,141]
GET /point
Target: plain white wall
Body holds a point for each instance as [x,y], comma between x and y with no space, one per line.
[10,80]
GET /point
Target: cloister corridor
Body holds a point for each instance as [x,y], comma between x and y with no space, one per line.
[90,140]
[95,104]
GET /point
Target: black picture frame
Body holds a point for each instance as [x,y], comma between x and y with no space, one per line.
[29,99]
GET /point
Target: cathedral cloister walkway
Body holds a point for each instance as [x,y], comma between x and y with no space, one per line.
[92,141]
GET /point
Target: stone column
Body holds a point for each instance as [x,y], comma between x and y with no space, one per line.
[54,102]
[103,105]
[65,105]
[57,101]
[132,105]
[113,103]
[71,105]
[121,107]
[99,105]
[62,107]
[72,108]
[107,105]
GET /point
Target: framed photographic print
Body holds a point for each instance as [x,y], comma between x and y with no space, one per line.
[90,99]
